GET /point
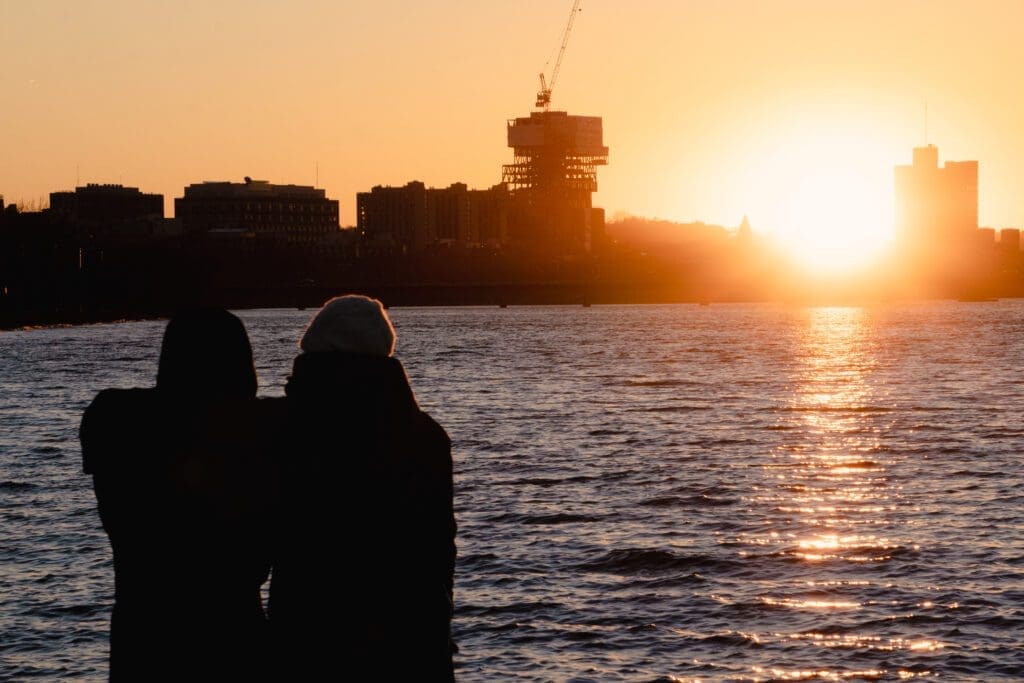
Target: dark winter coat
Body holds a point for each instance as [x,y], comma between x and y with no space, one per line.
[365,558]
[184,489]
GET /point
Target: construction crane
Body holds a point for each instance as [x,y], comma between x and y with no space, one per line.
[544,95]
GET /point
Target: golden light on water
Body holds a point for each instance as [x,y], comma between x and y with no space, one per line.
[834,486]
[829,640]
[824,675]
[826,503]
[775,674]
[828,489]
[829,542]
[815,549]
[834,640]
[811,604]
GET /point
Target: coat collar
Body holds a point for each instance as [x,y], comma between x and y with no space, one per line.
[337,376]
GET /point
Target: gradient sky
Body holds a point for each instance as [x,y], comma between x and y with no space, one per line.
[712,108]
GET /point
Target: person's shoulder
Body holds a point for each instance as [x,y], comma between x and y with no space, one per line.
[111,413]
[116,404]
[110,399]
[432,438]
[429,428]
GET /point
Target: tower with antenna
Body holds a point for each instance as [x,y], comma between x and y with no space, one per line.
[936,206]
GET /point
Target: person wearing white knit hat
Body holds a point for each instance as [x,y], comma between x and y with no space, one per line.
[352,324]
[365,544]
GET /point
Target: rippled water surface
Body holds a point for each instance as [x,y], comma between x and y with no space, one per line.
[647,493]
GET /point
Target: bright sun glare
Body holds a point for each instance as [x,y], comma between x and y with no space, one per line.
[836,221]
[823,192]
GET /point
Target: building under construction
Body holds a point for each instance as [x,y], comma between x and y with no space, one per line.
[552,179]
[544,202]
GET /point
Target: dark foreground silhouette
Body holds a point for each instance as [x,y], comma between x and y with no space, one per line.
[345,487]
[181,479]
[364,563]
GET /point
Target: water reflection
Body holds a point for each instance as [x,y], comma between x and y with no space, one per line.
[829,480]
[824,485]
[827,501]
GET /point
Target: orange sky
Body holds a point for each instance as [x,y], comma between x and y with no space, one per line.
[712,108]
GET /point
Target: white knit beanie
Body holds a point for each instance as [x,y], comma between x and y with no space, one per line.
[352,323]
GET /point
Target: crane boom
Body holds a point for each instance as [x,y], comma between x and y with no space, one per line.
[544,96]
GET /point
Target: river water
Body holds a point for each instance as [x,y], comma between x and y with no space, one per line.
[647,493]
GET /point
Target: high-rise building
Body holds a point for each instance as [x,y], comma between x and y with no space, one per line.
[292,213]
[552,179]
[936,207]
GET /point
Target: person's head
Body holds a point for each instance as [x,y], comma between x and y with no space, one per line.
[206,351]
[351,324]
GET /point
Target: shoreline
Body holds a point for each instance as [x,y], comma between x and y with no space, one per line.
[80,319]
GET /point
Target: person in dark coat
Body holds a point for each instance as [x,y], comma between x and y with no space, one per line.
[364,564]
[184,487]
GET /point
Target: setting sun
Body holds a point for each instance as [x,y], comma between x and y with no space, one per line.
[821,190]
[837,221]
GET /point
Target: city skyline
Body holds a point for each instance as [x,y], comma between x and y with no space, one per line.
[720,110]
[545,199]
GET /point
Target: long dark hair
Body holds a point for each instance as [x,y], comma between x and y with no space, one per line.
[206,353]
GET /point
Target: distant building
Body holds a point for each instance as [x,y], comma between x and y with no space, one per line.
[107,205]
[744,233]
[293,213]
[488,216]
[936,206]
[393,218]
[552,179]
[1009,240]
[544,200]
[414,217]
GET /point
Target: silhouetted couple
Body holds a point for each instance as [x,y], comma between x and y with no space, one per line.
[344,488]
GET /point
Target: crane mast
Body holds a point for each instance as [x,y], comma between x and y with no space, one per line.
[544,95]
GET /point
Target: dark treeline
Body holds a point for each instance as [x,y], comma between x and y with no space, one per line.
[56,270]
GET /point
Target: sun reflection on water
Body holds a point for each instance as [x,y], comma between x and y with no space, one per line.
[828,499]
[829,481]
